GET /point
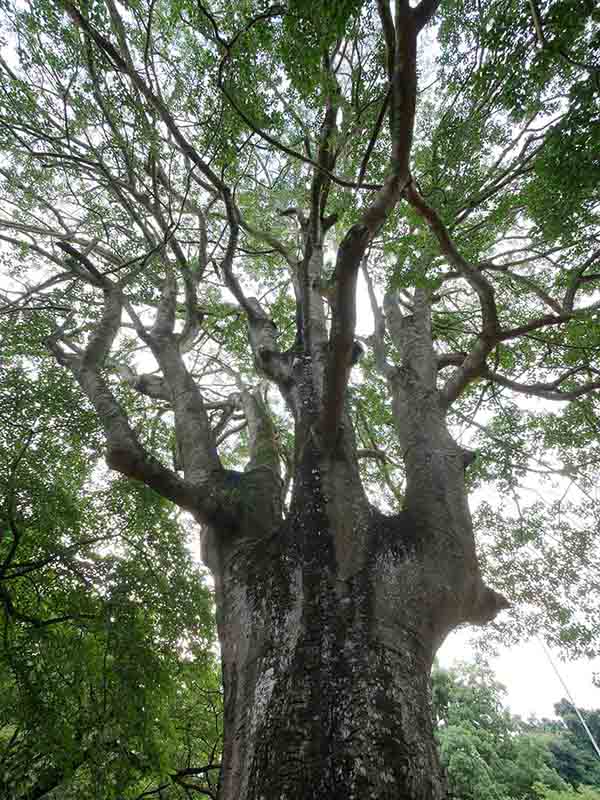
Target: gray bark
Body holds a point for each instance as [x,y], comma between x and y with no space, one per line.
[329,620]
[326,660]
[329,617]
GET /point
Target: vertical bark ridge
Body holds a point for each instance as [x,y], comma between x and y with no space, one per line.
[326,676]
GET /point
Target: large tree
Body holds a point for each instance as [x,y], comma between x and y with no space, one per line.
[191,194]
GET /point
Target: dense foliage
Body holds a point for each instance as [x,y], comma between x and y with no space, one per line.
[108,683]
[490,753]
[505,151]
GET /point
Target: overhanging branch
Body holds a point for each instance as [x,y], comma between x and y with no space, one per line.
[403,88]
[547,391]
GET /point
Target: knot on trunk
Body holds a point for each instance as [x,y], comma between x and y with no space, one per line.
[488,604]
[469,457]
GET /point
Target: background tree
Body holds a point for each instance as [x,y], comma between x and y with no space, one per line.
[488,752]
[583,793]
[108,687]
[483,747]
[573,755]
[189,193]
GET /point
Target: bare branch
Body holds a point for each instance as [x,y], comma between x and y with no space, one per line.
[264,451]
[326,156]
[192,426]
[578,277]
[373,139]
[546,321]
[231,432]
[425,11]
[378,337]
[125,453]
[450,360]
[403,88]
[489,335]
[411,334]
[322,168]
[164,322]
[533,286]
[548,391]
[283,249]
[378,455]
[150,385]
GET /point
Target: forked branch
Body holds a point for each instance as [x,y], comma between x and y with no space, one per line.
[547,391]
[125,453]
[401,39]
[474,363]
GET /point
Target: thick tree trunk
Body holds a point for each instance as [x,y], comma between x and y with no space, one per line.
[329,619]
[327,648]
[328,626]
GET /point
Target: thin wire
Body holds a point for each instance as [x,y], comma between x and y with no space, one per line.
[570,696]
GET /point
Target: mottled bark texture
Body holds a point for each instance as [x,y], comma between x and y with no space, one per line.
[329,615]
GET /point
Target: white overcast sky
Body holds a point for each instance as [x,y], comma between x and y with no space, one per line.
[532,686]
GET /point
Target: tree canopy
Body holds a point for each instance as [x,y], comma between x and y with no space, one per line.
[193,195]
[178,139]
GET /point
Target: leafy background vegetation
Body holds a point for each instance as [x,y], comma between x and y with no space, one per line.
[109,680]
